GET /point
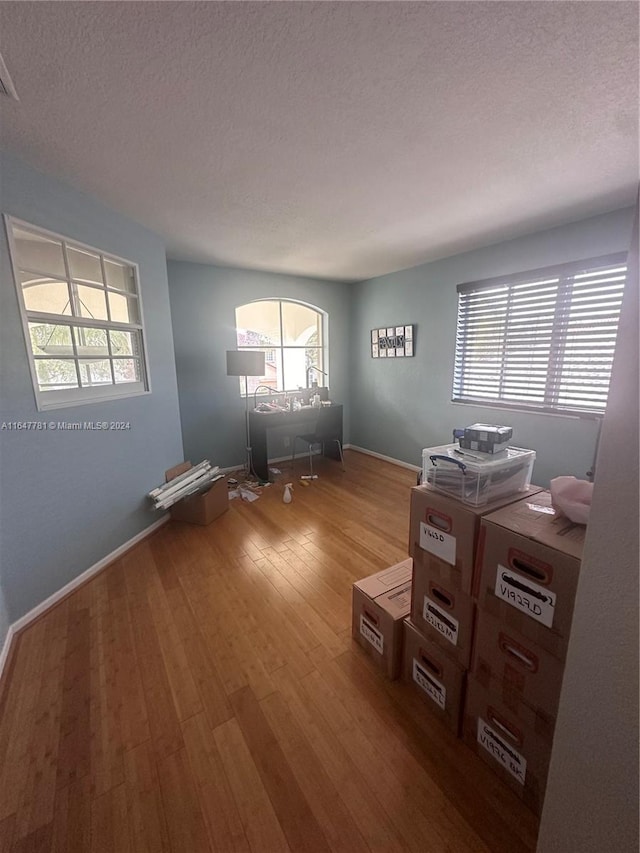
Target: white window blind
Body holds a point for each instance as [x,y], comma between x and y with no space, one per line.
[541,340]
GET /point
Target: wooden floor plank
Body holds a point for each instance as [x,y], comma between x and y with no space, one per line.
[147,826]
[419,832]
[324,799]
[36,806]
[224,824]
[201,663]
[75,733]
[203,693]
[181,805]
[261,825]
[292,627]
[107,769]
[72,821]
[18,723]
[292,809]
[323,632]
[186,696]
[133,720]
[162,713]
[38,841]
[109,824]
[7,827]
[360,800]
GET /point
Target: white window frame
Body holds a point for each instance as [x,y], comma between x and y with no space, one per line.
[323,346]
[548,373]
[66,397]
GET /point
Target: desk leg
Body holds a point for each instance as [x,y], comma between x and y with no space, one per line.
[259,453]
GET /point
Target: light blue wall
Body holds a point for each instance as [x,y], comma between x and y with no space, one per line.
[203,303]
[401,406]
[71,498]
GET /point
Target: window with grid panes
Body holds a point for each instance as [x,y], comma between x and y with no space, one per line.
[82,318]
[291,335]
[543,340]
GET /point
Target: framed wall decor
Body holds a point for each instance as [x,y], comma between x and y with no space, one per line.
[392,342]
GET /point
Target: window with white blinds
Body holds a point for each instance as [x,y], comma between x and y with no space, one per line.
[541,340]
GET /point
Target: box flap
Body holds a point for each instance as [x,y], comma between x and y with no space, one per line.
[387,579]
[176,471]
[396,602]
[536,519]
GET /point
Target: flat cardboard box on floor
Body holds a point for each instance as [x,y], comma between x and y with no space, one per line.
[443,530]
[519,669]
[530,563]
[442,613]
[379,605]
[200,507]
[516,746]
[437,678]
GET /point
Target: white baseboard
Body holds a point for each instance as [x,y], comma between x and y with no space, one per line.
[4,654]
[45,605]
[390,459]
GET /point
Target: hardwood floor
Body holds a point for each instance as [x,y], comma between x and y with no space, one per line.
[203,693]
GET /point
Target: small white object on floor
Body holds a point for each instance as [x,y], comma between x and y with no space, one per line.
[275,470]
[286,498]
[243,494]
[248,495]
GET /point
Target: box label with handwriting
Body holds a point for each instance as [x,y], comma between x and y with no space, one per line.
[438,543]
[504,754]
[442,621]
[525,595]
[432,687]
[372,635]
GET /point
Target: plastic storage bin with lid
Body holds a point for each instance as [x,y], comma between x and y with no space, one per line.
[474,480]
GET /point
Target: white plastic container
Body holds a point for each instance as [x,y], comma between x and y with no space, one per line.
[474,480]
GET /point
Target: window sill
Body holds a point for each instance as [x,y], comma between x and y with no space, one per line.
[46,405]
[524,410]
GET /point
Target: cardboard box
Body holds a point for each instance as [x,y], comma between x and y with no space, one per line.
[200,507]
[442,527]
[530,558]
[520,670]
[437,678]
[380,603]
[441,612]
[516,746]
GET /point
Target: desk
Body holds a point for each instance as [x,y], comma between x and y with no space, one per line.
[299,422]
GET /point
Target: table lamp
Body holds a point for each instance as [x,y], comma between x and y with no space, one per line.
[246,363]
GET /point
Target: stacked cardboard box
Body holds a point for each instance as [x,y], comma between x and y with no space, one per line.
[436,677]
[379,605]
[529,563]
[443,535]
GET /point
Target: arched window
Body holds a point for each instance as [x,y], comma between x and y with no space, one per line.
[292,337]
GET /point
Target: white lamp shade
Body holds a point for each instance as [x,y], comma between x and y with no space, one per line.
[245,363]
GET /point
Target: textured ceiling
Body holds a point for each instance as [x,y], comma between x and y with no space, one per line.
[339,140]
